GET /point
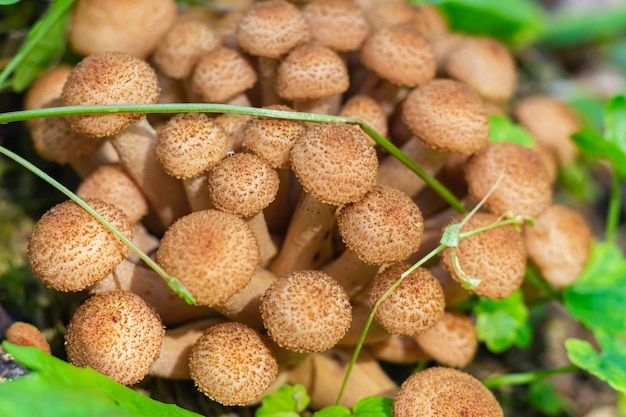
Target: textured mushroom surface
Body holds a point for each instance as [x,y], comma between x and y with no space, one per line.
[231,364]
[337,24]
[452,341]
[117,334]
[109,78]
[25,334]
[368,110]
[412,308]
[306,311]
[445,392]
[70,250]
[214,254]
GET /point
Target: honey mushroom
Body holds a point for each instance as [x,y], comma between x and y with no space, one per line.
[25,334]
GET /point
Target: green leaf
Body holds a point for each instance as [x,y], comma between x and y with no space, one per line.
[574,29]
[615,122]
[593,145]
[502,129]
[451,235]
[374,407]
[607,365]
[8,2]
[287,401]
[501,324]
[597,297]
[333,411]
[543,397]
[56,388]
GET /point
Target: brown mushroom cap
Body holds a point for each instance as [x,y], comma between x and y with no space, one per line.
[447,115]
[242,184]
[368,110]
[190,144]
[484,64]
[497,257]
[306,311]
[221,75]
[272,28]
[399,54]
[525,187]
[335,163]
[559,244]
[117,334]
[445,392]
[231,364]
[412,308]
[25,334]
[311,72]
[214,254]
[70,250]
[109,78]
[47,87]
[452,341]
[337,24]
[384,226]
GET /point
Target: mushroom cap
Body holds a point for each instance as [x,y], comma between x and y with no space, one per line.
[242,184]
[221,75]
[445,392]
[272,139]
[412,308]
[368,110]
[335,163]
[231,364]
[45,88]
[337,24]
[311,72]
[69,249]
[272,28]
[399,54]
[117,334]
[559,244]
[306,311]
[130,26]
[182,46]
[214,254]
[109,78]
[448,116]
[25,334]
[484,64]
[525,187]
[190,144]
[496,256]
[452,341]
[384,226]
[111,184]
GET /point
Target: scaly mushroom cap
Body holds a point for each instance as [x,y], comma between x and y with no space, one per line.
[109,78]
[69,249]
[272,139]
[384,226]
[214,254]
[525,187]
[25,334]
[497,257]
[311,72]
[368,110]
[242,184]
[272,28]
[221,75]
[448,116]
[130,26]
[452,341]
[559,244]
[190,144]
[337,24]
[335,163]
[117,334]
[484,64]
[399,54]
[231,364]
[306,311]
[47,87]
[445,392]
[182,46]
[412,308]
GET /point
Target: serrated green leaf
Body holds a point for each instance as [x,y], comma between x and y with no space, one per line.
[287,401]
[597,297]
[501,324]
[615,122]
[543,397]
[593,145]
[333,411]
[373,407]
[61,389]
[607,365]
[502,129]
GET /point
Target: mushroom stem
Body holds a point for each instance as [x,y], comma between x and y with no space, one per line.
[351,272]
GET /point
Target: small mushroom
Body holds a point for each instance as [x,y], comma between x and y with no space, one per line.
[25,334]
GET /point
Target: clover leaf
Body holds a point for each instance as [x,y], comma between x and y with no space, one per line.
[287,401]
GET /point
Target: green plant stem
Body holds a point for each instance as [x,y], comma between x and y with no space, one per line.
[526,377]
[615,207]
[531,276]
[439,188]
[171,281]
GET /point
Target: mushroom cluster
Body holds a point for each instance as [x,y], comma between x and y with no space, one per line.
[287,233]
